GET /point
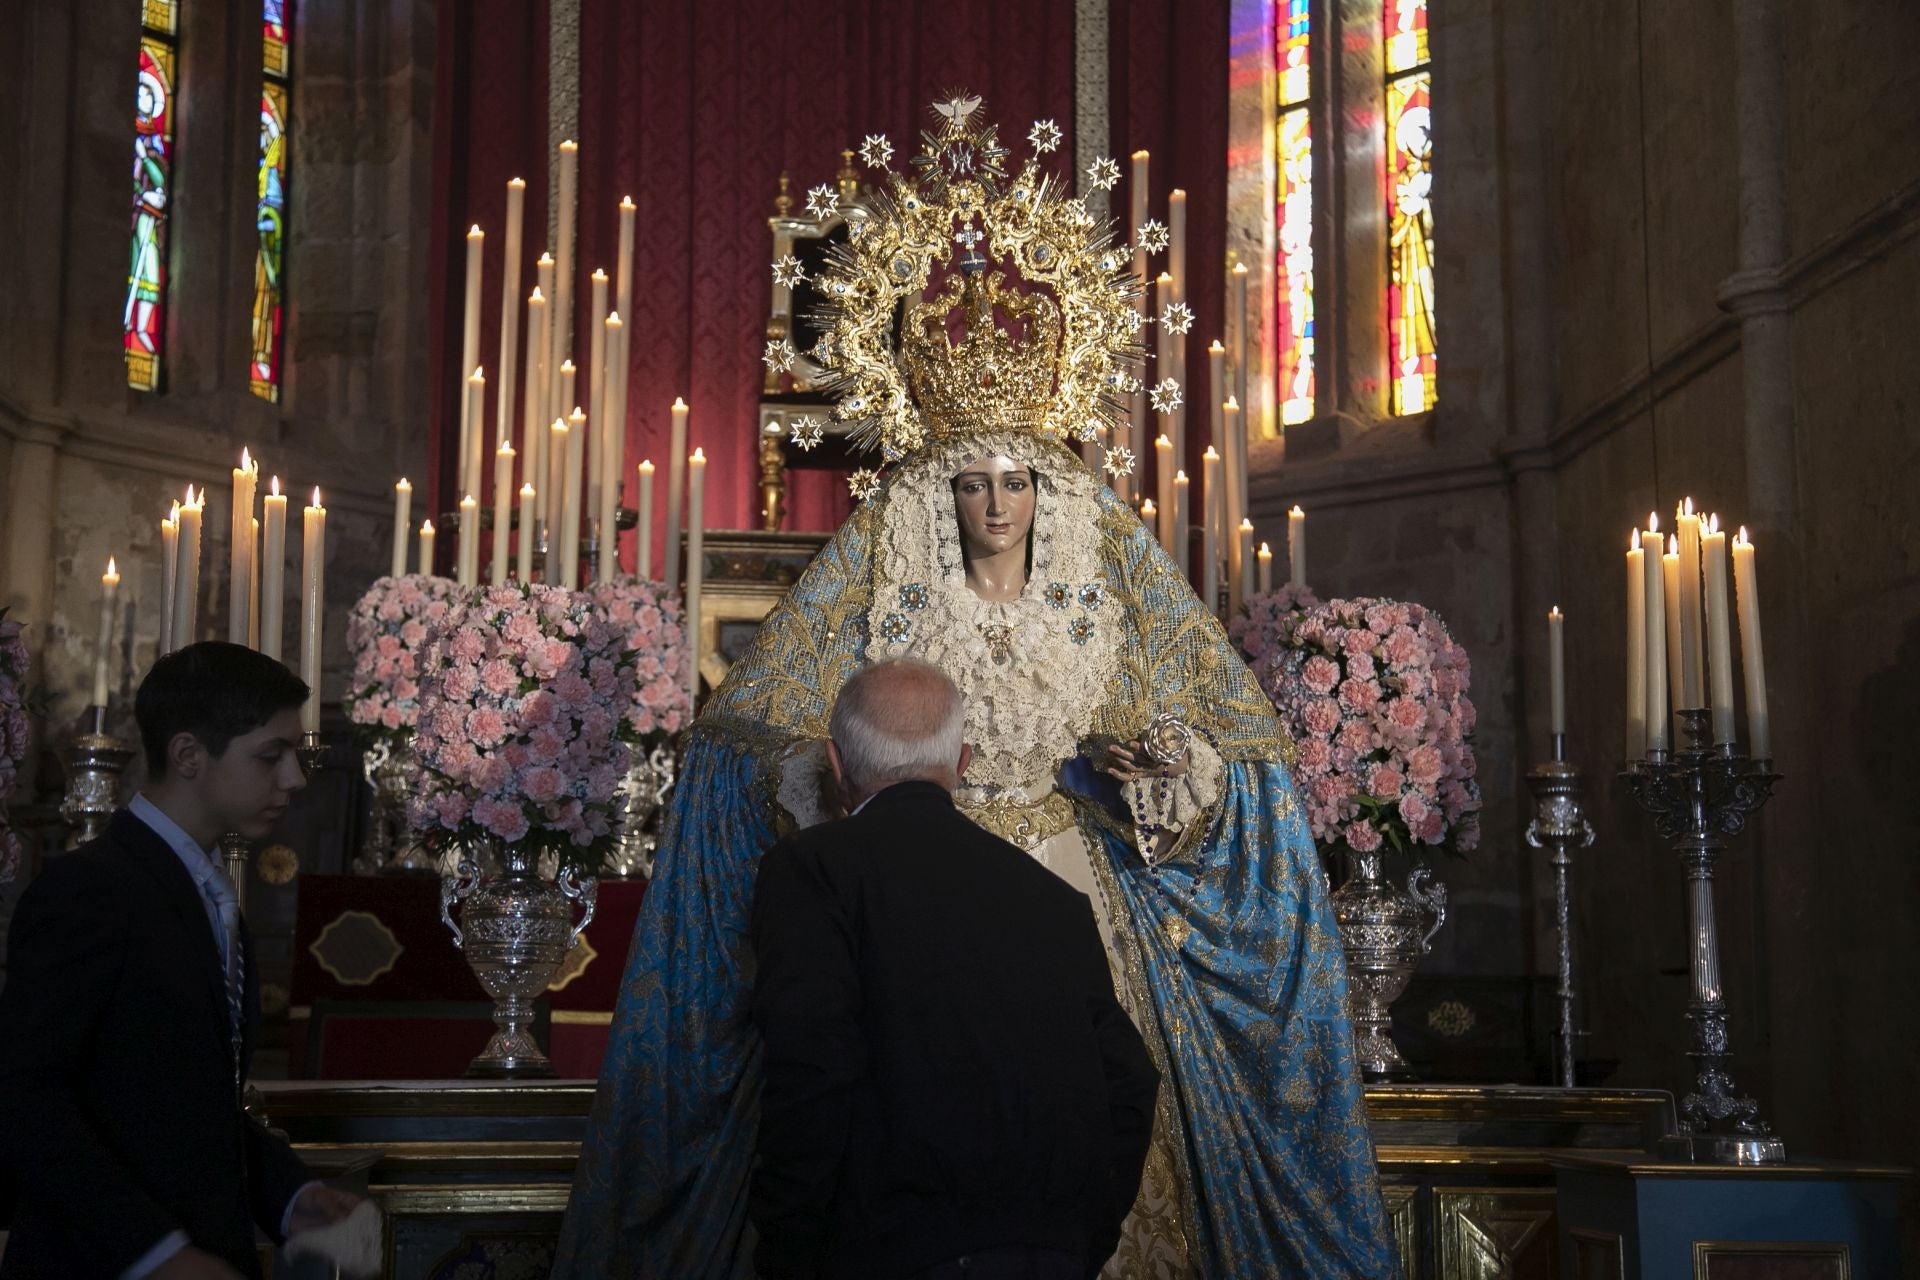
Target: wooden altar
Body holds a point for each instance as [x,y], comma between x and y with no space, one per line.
[474,1176]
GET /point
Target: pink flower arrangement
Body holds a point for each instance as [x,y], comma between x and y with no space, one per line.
[388,632]
[1374,692]
[13,735]
[651,619]
[528,701]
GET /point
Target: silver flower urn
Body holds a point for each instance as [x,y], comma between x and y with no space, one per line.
[1384,931]
[391,848]
[515,928]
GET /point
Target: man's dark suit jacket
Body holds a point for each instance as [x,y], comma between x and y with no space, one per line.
[118,1120]
[946,1066]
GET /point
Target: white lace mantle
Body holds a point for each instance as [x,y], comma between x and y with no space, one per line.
[1030,713]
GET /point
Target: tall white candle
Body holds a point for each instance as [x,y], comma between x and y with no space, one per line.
[1297,548]
[696,538]
[1670,599]
[556,494]
[239,548]
[402,522]
[562,295]
[1636,719]
[1243,581]
[1242,339]
[570,500]
[186,605]
[613,470]
[253,582]
[502,511]
[468,556]
[509,366]
[1655,595]
[676,460]
[1217,396]
[109,593]
[1266,569]
[596,447]
[1183,525]
[1557,672]
[1138,434]
[617,363]
[643,527]
[1753,659]
[1172,424]
[1177,242]
[533,424]
[525,548]
[1212,514]
[1163,488]
[426,548]
[1713,547]
[473,463]
[1691,629]
[1233,451]
[569,388]
[273,569]
[470,342]
[623,263]
[169,571]
[313,565]
[550,407]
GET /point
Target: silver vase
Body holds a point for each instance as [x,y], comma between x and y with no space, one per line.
[391,848]
[1384,931]
[515,928]
[642,792]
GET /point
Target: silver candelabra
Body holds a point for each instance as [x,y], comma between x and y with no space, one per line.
[1560,825]
[94,764]
[1698,795]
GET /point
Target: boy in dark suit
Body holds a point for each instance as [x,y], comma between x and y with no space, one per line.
[130,999]
[952,1089]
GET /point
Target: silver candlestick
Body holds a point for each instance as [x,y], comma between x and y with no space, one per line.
[1698,795]
[235,852]
[1560,824]
[94,764]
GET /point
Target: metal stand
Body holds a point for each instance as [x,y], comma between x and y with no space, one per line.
[1560,824]
[1697,795]
[94,763]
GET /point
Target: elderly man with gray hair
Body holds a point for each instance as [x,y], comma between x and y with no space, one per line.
[952,1089]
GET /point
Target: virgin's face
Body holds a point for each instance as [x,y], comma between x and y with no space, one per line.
[994,497]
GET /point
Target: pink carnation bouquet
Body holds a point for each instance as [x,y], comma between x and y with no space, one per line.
[388,631]
[1374,692]
[650,618]
[13,734]
[527,707]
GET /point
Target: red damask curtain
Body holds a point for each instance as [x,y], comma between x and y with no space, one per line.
[695,109]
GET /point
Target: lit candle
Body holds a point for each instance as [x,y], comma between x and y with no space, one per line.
[1163,488]
[473,462]
[169,568]
[1636,744]
[468,557]
[1557,673]
[569,397]
[426,548]
[109,592]
[313,566]
[1654,594]
[527,498]
[534,399]
[643,528]
[550,406]
[402,521]
[556,493]
[186,603]
[1242,340]
[502,510]
[1217,396]
[595,445]
[1166,345]
[1137,433]
[676,451]
[561,317]
[1150,517]
[1234,449]
[696,537]
[1244,582]
[1266,569]
[570,500]
[613,457]
[1753,659]
[1670,603]
[239,547]
[1297,549]
[1212,513]
[1691,648]
[253,582]
[1713,546]
[1177,242]
[470,341]
[273,569]
[1182,525]
[509,365]
[623,264]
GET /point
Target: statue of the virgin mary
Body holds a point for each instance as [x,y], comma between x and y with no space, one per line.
[1117,738]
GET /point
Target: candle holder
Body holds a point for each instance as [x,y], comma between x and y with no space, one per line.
[235,852]
[94,764]
[312,752]
[1698,795]
[1560,825]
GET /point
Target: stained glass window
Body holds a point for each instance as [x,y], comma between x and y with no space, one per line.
[1295,142]
[143,317]
[1411,352]
[270,211]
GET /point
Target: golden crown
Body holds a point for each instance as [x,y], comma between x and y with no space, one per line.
[1033,326]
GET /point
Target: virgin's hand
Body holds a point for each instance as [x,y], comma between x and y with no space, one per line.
[1128,762]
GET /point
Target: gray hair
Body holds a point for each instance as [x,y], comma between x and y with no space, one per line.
[896,720]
